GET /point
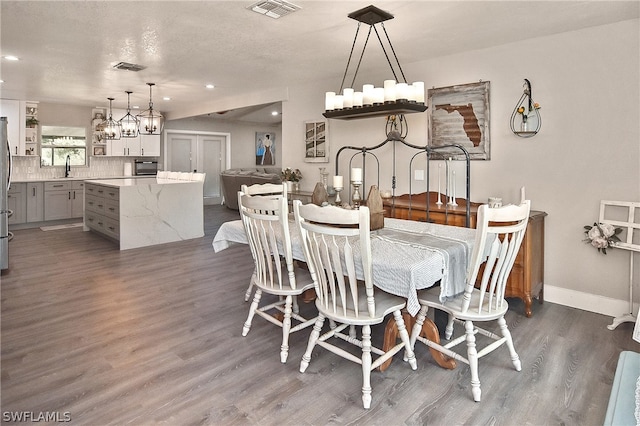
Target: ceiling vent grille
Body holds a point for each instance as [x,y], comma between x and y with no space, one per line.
[273,8]
[128,66]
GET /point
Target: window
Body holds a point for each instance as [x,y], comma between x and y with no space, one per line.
[59,142]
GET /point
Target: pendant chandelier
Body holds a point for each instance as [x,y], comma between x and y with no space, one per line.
[111,128]
[395,98]
[128,123]
[151,122]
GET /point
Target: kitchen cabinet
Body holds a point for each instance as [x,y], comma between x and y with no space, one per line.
[527,276]
[23,138]
[102,210]
[16,202]
[63,200]
[150,145]
[140,146]
[11,109]
[124,147]
[35,201]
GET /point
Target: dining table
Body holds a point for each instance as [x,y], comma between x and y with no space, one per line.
[406,256]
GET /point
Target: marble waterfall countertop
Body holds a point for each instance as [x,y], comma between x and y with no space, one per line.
[145,211]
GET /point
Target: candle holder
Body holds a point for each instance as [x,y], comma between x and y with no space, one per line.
[356,198]
[338,189]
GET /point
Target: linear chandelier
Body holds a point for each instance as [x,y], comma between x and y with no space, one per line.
[394,98]
[151,122]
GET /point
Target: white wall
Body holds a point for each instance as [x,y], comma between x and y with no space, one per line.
[243,137]
[588,148]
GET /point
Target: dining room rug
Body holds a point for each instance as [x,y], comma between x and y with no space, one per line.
[57,227]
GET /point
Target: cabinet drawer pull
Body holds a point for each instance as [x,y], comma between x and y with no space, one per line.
[112,209]
[58,186]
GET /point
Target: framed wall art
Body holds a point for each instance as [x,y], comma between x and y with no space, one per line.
[265,148]
[460,115]
[316,143]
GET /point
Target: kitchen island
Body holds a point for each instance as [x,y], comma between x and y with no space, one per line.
[141,212]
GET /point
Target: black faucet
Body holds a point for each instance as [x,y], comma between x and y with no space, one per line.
[67,167]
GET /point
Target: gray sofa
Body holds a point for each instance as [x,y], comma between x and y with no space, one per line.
[233,179]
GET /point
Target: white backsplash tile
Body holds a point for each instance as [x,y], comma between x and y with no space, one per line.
[28,167]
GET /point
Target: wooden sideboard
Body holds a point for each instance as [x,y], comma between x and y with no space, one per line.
[527,276]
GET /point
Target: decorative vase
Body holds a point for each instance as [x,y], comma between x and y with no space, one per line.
[289,186]
[524,126]
[296,186]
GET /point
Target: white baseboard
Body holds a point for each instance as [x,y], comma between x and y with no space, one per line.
[587,301]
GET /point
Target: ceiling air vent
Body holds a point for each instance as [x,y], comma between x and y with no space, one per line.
[274,8]
[128,67]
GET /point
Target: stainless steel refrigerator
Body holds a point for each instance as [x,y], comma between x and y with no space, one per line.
[5,175]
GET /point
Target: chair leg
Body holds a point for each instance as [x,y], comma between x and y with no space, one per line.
[404,335]
[313,338]
[252,311]
[472,356]
[286,329]
[417,327]
[512,350]
[448,333]
[247,294]
[366,366]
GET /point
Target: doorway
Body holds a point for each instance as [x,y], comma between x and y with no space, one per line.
[203,152]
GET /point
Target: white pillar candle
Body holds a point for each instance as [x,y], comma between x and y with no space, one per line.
[356,174]
[367,94]
[389,90]
[347,97]
[338,102]
[357,99]
[378,95]
[402,91]
[337,182]
[329,101]
[418,89]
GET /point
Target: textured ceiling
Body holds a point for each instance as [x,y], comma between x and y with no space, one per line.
[68,48]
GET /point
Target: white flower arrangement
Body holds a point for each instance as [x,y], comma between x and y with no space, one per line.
[602,236]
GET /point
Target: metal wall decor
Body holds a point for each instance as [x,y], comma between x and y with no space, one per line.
[460,115]
[525,120]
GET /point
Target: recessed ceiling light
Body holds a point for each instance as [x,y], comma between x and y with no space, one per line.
[274,113]
[11,58]
[1,81]
[166,98]
[209,86]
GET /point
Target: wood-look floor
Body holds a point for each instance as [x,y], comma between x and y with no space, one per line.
[153,336]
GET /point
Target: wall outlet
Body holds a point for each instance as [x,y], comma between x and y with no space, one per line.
[418,174]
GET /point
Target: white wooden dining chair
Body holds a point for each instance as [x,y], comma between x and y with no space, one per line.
[502,229]
[337,244]
[275,189]
[267,227]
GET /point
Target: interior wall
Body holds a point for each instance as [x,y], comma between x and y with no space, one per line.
[243,137]
[588,148]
